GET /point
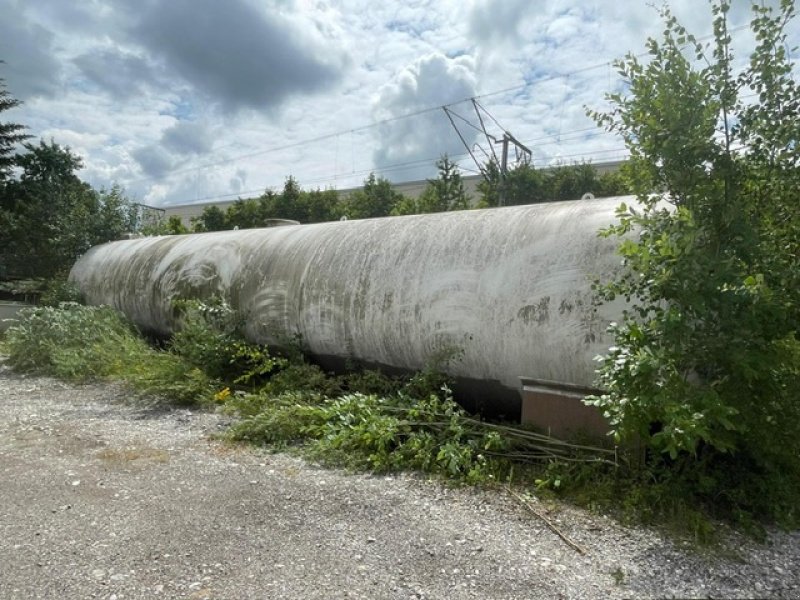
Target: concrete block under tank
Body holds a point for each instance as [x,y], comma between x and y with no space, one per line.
[508,288]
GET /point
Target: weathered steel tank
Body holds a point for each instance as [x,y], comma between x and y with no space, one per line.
[507,288]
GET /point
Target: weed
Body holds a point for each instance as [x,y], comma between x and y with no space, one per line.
[168,375]
[280,420]
[389,433]
[371,381]
[86,343]
[58,290]
[74,342]
[210,339]
[367,420]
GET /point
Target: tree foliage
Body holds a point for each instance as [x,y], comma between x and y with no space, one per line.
[291,203]
[376,199]
[211,219]
[705,369]
[244,214]
[442,194]
[11,134]
[527,185]
[48,216]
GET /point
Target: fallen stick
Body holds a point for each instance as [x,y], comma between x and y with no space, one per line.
[574,545]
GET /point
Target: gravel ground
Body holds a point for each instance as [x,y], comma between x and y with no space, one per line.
[104,497]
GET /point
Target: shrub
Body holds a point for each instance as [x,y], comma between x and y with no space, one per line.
[74,342]
[210,339]
[58,290]
[396,432]
[705,369]
[87,343]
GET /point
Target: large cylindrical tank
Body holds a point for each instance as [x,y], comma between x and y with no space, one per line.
[507,288]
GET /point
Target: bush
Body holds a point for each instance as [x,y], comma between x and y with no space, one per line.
[88,343]
[74,342]
[431,434]
[376,433]
[210,339]
[167,375]
[58,290]
[705,369]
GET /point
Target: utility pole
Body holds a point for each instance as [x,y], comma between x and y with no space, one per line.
[501,201]
[521,149]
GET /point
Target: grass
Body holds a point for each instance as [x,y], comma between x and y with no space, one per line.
[81,344]
[364,420]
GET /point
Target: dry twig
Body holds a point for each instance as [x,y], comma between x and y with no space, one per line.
[574,545]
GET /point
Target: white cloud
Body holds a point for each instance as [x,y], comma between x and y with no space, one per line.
[433,80]
[493,22]
[182,100]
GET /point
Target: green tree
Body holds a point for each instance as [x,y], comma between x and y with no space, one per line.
[174,226]
[286,205]
[11,134]
[705,368]
[211,219]
[291,204]
[269,205]
[571,182]
[320,206]
[527,185]
[244,214]
[446,192]
[115,217]
[48,216]
[612,183]
[523,185]
[49,212]
[377,199]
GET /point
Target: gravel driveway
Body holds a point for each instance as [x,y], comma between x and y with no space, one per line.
[104,497]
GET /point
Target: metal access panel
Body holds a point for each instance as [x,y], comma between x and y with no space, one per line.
[557,409]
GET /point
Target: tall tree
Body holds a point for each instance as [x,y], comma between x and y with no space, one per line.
[286,205]
[376,199]
[244,214]
[706,361]
[319,206]
[571,182]
[115,217]
[211,219]
[523,185]
[446,192]
[11,134]
[48,216]
[527,185]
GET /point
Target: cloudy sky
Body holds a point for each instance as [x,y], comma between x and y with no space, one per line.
[195,100]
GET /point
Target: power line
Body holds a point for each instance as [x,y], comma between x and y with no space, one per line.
[365,127]
[407,165]
[566,136]
[398,167]
[303,142]
[412,114]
